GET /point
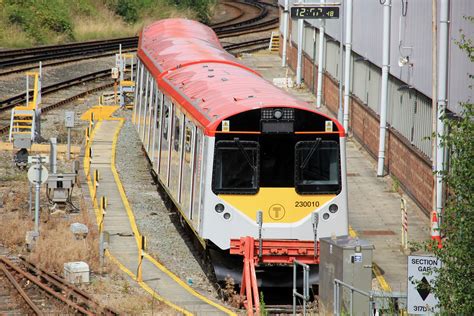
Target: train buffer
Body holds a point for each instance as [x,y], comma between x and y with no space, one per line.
[266,251]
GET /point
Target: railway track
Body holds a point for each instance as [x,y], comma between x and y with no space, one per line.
[20,60]
[43,293]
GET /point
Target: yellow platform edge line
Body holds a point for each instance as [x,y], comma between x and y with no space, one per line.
[137,234]
[375,268]
[115,260]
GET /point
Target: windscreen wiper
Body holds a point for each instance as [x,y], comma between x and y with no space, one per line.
[239,144]
[311,152]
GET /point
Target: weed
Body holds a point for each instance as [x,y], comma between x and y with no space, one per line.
[234,299]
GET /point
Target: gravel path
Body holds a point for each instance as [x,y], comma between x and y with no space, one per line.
[154,220]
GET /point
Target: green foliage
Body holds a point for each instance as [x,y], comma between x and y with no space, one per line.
[263,307]
[128,9]
[39,19]
[454,286]
[201,7]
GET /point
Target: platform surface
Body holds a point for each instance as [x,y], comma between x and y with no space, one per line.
[119,224]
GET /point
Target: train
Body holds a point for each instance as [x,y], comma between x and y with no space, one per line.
[225,144]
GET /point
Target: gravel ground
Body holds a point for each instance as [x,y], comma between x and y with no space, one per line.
[154,220]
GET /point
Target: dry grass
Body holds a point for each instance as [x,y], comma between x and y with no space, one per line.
[56,234]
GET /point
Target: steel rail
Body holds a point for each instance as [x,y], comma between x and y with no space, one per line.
[44,287]
[68,288]
[21,98]
[20,291]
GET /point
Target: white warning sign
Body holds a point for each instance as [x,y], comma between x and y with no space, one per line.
[225,125]
[421,299]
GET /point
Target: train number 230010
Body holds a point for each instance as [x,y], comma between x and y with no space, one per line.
[306,203]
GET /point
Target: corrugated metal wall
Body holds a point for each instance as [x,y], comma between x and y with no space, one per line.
[410,36]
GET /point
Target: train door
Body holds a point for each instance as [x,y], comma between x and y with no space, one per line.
[141,130]
[197,179]
[155,156]
[137,92]
[176,153]
[188,165]
[150,117]
[140,99]
[165,141]
[146,110]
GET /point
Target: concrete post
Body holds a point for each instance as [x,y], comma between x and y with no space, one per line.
[347,70]
[299,61]
[442,101]
[320,61]
[384,88]
[285,33]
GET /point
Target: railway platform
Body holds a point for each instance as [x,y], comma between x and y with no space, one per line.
[374,203]
[117,220]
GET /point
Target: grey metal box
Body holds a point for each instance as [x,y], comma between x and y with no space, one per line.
[349,260]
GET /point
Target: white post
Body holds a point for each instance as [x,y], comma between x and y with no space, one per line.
[384,88]
[285,33]
[347,70]
[319,92]
[37,193]
[300,52]
[442,100]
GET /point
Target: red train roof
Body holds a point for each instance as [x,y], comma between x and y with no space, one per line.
[190,65]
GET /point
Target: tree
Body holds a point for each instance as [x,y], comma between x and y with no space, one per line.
[454,285]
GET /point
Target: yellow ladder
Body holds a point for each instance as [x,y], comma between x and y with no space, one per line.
[274,45]
[22,121]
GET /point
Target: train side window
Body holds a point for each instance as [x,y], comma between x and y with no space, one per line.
[188,139]
[236,167]
[317,167]
[176,133]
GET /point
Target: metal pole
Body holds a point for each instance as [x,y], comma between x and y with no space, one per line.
[442,101]
[53,154]
[347,69]
[285,33]
[341,64]
[37,192]
[320,61]
[260,224]
[294,287]
[68,143]
[30,202]
[384,89]
[299,61]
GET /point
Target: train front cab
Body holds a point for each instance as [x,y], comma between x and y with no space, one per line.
[285,162]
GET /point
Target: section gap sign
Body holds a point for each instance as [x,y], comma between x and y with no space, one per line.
[422,272]
[315,12]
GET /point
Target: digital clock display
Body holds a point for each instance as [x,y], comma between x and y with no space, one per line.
[315,12]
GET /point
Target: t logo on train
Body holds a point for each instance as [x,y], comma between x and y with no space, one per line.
[225,143]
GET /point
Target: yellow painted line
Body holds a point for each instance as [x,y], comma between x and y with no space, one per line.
[43,148]
[101,112]
[115,260]
[137,233]
[145,286]
[375,268]
[187,287]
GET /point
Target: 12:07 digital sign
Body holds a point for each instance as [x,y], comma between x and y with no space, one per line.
[320,12]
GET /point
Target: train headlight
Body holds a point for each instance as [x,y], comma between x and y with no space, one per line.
[277,114]
[333,208]
[325,215]
[226,215]
[219,208]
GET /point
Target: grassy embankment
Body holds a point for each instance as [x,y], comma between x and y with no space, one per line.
[27,23]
